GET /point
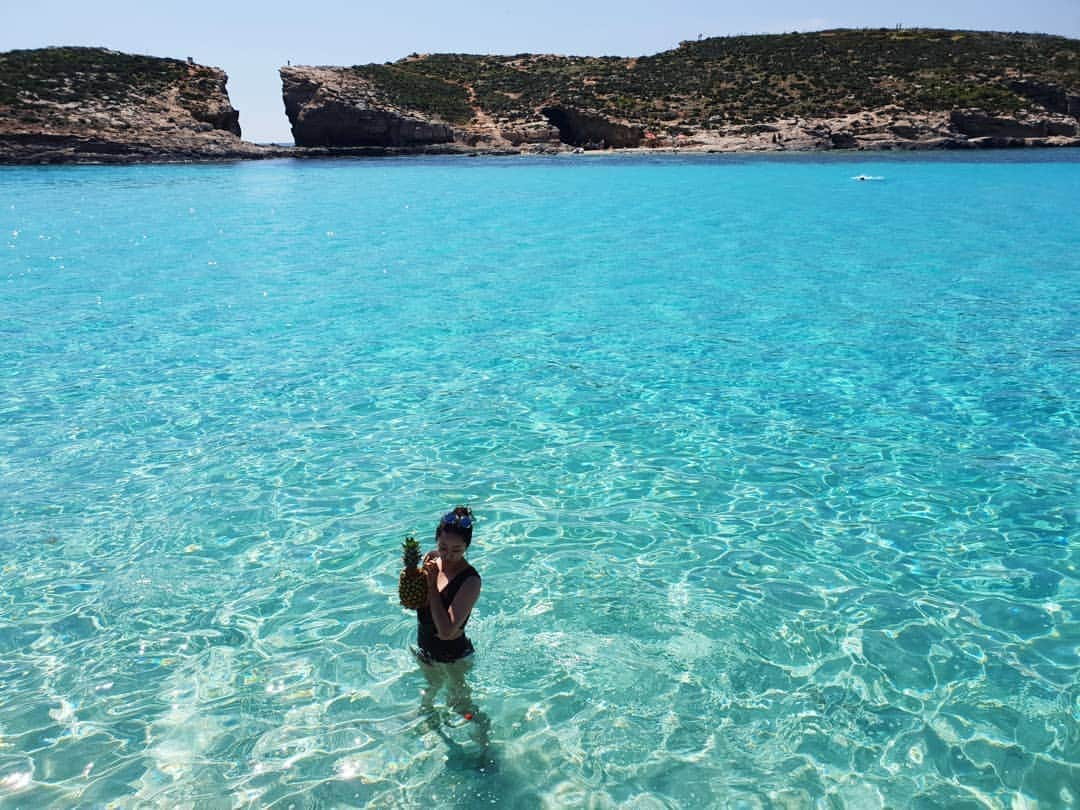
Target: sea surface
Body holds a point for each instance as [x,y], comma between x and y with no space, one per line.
[775,474]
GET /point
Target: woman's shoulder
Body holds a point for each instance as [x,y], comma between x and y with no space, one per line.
[465,574]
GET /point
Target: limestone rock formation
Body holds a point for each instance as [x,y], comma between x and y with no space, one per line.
[336,107]
[979,124]
[839,89]
[1053,97]
[348,107]
[579,128]
[530,132]
[95,105]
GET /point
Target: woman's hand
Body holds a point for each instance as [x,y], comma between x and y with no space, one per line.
[431,568]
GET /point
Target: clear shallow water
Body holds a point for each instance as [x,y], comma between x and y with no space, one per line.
[776,472]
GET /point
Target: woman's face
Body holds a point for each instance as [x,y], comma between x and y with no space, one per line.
[451,546]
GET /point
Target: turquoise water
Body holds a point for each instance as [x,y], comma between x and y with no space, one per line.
[776,477]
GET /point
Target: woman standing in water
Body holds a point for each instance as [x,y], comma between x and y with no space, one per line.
[444,650]
[453,588]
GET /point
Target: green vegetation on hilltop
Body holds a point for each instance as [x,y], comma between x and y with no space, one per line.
[66,75]
[734,80]
[434,95]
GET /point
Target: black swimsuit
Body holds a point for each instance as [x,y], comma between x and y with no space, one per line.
[433,648]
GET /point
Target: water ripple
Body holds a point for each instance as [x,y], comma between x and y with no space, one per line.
[771,514]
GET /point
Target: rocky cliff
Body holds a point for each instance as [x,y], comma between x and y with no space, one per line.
[328,107]
[844,89]
[96,105]
[866,89]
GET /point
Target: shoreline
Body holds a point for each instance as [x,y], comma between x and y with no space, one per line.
[256,152]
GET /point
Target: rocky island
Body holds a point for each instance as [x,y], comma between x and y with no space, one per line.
[842,89]
[92,105]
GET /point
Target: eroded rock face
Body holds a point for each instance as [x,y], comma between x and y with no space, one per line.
[1064,129]
[205,97]
[399,106]
[330,107]
[578,128]
[906,129]
[977,124]
[339,108]
[337,124]
[530,132]
[843,140]
[1051,96]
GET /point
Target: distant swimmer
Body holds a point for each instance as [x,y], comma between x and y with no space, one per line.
[861,177]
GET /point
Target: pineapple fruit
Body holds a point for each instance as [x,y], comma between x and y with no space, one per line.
[412,584]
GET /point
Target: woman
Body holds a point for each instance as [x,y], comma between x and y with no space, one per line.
[453,588]
[444,649]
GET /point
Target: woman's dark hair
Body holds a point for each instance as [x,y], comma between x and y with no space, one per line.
[459,521]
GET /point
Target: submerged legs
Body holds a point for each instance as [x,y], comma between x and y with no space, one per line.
[459,700]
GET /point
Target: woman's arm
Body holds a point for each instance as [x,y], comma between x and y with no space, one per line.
[448,622]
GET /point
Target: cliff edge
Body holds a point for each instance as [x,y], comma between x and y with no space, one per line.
[334,108]
[90,105]
[842,89]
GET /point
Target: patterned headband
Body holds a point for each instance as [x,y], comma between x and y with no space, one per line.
[456,521]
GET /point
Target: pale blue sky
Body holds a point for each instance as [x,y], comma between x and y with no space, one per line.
[250,41]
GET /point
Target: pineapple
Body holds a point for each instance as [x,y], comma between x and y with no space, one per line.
[412,584]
